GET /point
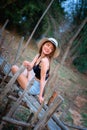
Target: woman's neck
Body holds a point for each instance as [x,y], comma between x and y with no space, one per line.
[42,55]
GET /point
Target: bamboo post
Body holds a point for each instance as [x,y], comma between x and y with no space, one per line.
[16,56]
[16,122]
[11,40]
[35,118]
[18,50]
[5,24]
[54,95]
[2,29]
[71,41]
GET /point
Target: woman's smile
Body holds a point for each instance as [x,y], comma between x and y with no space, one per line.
[47,48]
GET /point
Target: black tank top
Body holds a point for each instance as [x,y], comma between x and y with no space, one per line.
[37,71]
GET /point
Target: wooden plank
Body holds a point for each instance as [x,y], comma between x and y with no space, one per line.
[54,119]
[30,105]
[15,122]
[35,104]
[12,97]
[59,123]
[51,123]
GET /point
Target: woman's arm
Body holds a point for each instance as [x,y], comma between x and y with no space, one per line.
[29,65]
[44,68]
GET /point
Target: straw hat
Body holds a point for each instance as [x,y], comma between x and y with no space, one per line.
[54,42]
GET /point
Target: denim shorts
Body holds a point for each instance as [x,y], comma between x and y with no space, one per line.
[35,88]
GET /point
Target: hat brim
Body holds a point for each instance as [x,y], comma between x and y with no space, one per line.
[41,42]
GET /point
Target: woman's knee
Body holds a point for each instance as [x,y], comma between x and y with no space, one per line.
[14,69]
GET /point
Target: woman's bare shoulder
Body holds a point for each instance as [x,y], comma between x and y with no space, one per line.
[45,61]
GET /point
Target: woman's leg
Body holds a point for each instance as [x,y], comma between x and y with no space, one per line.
[28,74]
[22,78]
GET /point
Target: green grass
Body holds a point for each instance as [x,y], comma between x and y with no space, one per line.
[22,113]
[84,119]
[69,118]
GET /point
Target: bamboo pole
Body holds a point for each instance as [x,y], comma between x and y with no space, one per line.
[16,56]
[71,41]
[18,50]
[2,30]
[15,122]
[3,27]
[35,118]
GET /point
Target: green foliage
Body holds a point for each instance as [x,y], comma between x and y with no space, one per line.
[81,60]
[69,117]
[22,114]
[57,11]
[23,15]
[81,63]
[84,120]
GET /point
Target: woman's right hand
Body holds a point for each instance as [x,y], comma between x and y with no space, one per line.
[27,64]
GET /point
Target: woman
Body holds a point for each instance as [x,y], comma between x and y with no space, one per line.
[48,49]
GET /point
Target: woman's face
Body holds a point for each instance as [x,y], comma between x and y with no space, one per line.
[48,48]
